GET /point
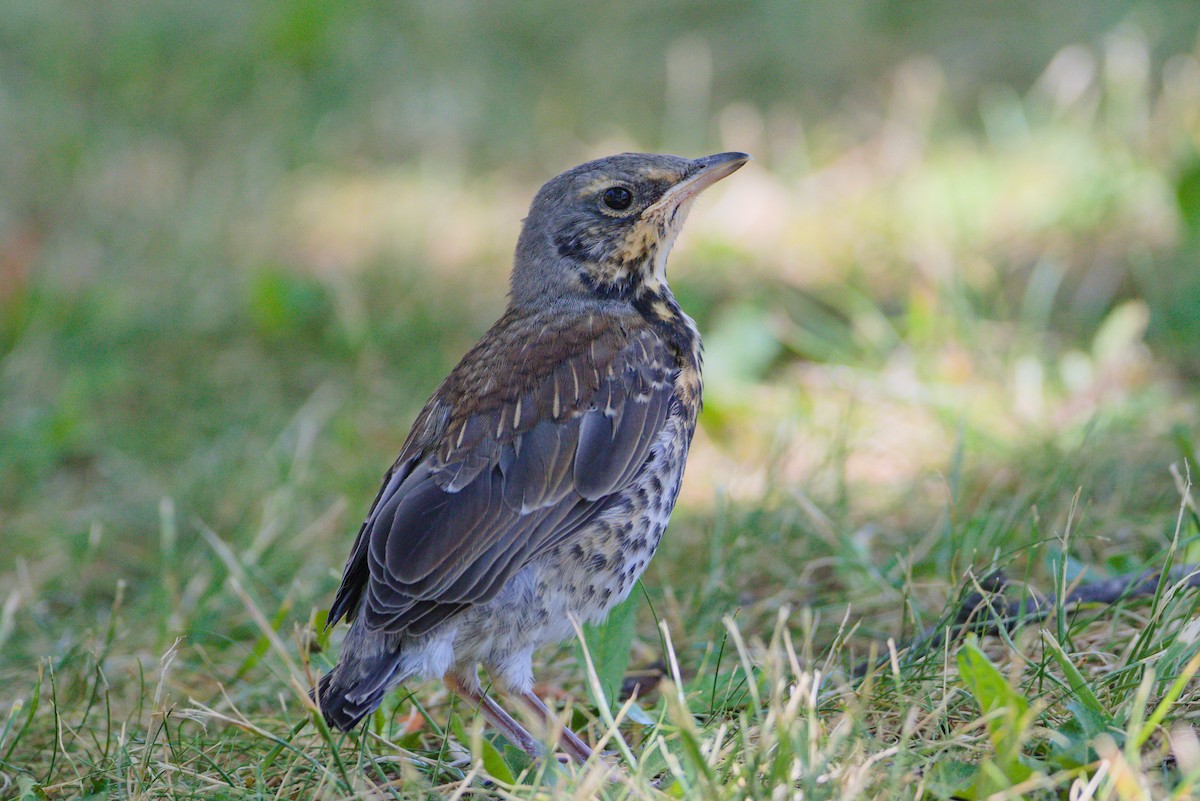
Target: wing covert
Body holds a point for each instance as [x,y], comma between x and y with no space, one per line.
[506,479]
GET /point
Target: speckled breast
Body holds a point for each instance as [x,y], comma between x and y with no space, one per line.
[596,569]
[591,572]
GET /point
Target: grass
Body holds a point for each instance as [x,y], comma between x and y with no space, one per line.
[950,329]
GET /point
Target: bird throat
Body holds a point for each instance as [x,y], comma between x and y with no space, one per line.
[636,273]
[636,263]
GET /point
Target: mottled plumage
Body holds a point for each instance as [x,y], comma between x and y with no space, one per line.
[537,481]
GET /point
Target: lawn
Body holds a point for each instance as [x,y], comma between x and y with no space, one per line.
[951,316]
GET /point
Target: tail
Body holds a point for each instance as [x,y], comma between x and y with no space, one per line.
[356,686]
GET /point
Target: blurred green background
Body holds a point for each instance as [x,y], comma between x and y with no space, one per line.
[241,243]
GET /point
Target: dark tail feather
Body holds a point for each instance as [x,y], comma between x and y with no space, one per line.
[356,687]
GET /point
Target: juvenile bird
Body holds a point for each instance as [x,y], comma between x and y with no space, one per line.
[537,481]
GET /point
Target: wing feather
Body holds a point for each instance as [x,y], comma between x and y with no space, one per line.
[500,468]
[355,574]
[536,467]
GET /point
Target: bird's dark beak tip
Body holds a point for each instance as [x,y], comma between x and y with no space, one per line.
[733,159]
[710,169]
[703,173]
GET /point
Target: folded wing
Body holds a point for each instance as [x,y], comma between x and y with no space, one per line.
[510,466]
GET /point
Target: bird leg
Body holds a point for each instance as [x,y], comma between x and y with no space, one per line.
[494,714]
[571,742]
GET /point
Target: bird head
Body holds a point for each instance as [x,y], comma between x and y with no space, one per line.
[605,228]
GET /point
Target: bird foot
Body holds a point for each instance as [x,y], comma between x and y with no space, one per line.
[571,742]
[494,714]
[574,748]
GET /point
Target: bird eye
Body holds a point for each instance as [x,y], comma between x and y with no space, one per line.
[617,198]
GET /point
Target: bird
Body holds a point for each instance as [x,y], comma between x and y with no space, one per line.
[537,481]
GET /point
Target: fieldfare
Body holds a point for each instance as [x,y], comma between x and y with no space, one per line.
[537,481]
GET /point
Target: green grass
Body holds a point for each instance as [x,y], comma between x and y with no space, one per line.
[951,327]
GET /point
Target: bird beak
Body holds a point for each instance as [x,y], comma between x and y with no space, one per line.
[704,173]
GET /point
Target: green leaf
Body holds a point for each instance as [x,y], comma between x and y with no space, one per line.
[951,779]
[30,790]
[609,644]
[1187,193]
[517,759]
[1092,723]
[986,682]
[493,761]
[1073,747]
[459,728]
[1075,679]
[1008,714]
[638,715]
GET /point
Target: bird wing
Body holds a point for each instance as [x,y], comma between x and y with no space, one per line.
[528,440]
